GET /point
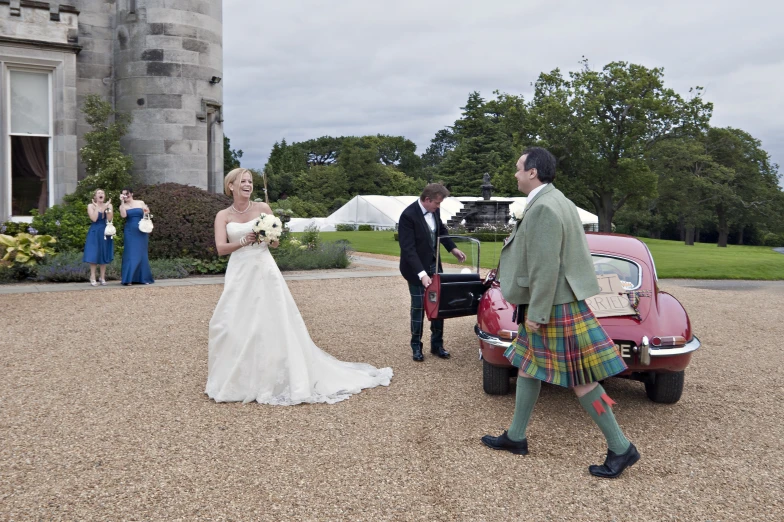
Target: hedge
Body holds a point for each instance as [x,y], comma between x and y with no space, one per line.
[184,219]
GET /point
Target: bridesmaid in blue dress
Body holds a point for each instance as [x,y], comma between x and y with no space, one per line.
[98,249]
[135,263]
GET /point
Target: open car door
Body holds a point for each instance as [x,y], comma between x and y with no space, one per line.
[457,290]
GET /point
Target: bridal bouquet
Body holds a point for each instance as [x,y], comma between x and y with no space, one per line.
[267,228]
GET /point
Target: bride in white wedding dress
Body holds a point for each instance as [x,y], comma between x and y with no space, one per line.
[259,346]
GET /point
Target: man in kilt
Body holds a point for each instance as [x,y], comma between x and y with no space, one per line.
[546,270]
[419,229]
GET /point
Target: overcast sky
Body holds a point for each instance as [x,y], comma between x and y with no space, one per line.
[300,69]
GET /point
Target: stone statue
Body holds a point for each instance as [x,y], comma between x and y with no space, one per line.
[487,187]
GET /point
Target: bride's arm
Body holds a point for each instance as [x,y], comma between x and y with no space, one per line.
[222,245]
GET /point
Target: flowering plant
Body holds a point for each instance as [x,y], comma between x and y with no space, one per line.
[267,228]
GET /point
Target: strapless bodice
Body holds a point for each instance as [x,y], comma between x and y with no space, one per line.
[235,232]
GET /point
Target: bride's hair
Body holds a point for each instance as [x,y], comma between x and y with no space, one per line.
[232,176]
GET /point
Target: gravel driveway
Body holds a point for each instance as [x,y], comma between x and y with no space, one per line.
[103,417]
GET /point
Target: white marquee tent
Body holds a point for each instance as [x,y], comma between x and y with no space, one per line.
[384,212]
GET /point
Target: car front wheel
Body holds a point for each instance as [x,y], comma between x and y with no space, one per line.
[495,380]
[665,388]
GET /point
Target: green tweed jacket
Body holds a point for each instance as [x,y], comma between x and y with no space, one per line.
[546,260]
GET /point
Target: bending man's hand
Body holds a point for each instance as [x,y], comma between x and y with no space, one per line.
[458,254]
[426,280]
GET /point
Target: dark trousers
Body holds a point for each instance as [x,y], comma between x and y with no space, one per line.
[417,292]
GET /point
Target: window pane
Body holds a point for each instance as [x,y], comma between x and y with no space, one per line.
[628,272]
[29,102]
[29,174]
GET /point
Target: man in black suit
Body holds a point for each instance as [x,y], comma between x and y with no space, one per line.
[419,228]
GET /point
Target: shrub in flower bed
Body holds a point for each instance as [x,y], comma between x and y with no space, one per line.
[365,228]
[12,228]
[297,256]
[68,267]
[184,217]
[69,223]
[345,227]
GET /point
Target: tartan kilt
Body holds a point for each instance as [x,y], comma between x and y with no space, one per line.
[572,349]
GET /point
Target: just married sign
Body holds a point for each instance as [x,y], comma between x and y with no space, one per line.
[612,299]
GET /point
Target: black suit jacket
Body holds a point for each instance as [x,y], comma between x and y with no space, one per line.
[416,253]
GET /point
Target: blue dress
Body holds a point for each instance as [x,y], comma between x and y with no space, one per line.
[98,249]
[135,264]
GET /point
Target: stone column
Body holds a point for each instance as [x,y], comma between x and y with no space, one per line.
[169,59]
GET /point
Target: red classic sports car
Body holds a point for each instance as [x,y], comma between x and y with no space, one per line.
[656,342]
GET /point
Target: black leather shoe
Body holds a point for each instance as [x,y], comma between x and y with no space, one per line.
[503,442]
[440,352]
[418,357]
[615,464]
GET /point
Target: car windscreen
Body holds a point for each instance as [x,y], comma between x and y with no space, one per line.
[627,271]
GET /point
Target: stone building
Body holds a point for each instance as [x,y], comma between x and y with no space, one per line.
[160,60]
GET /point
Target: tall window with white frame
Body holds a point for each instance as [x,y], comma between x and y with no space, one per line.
[29,141]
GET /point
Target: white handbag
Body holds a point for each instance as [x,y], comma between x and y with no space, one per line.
[109,231]
[145,225]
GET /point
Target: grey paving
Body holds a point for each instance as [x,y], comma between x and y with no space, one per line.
[390,270]
[215,280]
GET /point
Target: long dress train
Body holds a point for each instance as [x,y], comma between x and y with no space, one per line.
[135,260]
[259,346]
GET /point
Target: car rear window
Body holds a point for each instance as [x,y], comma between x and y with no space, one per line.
[627,271]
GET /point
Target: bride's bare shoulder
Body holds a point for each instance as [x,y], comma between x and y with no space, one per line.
[262,207]
[222,216]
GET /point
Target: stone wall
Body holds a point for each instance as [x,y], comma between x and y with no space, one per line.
[41,35]
[94,66]
[166,52]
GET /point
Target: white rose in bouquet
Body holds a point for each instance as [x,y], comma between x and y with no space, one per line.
[267,228]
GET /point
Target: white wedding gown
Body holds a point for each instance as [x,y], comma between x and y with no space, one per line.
[259,346]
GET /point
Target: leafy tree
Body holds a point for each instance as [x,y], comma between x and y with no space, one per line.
[231,158]
[485,139]
[749,193]
[687,180]
[443,142]
[107,166]
[285,163]
[322,184]
[401,153]
[484,145]
[600,124]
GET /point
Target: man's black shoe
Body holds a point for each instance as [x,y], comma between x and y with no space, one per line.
[503,442]
[615,464]
[440,352]
[418,357]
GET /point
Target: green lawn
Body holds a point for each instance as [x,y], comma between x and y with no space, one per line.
[673,258]
[707,261]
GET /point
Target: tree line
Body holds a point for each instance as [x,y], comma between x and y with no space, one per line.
[641,156]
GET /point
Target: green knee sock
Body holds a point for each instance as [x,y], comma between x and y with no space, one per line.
[616,441]
[527,393]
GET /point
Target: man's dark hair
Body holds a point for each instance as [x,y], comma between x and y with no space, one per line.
[541,160]
[129,189]
[433,190]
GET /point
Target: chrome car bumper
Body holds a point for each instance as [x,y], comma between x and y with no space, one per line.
[490,339]
[676,350]
[689,347]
